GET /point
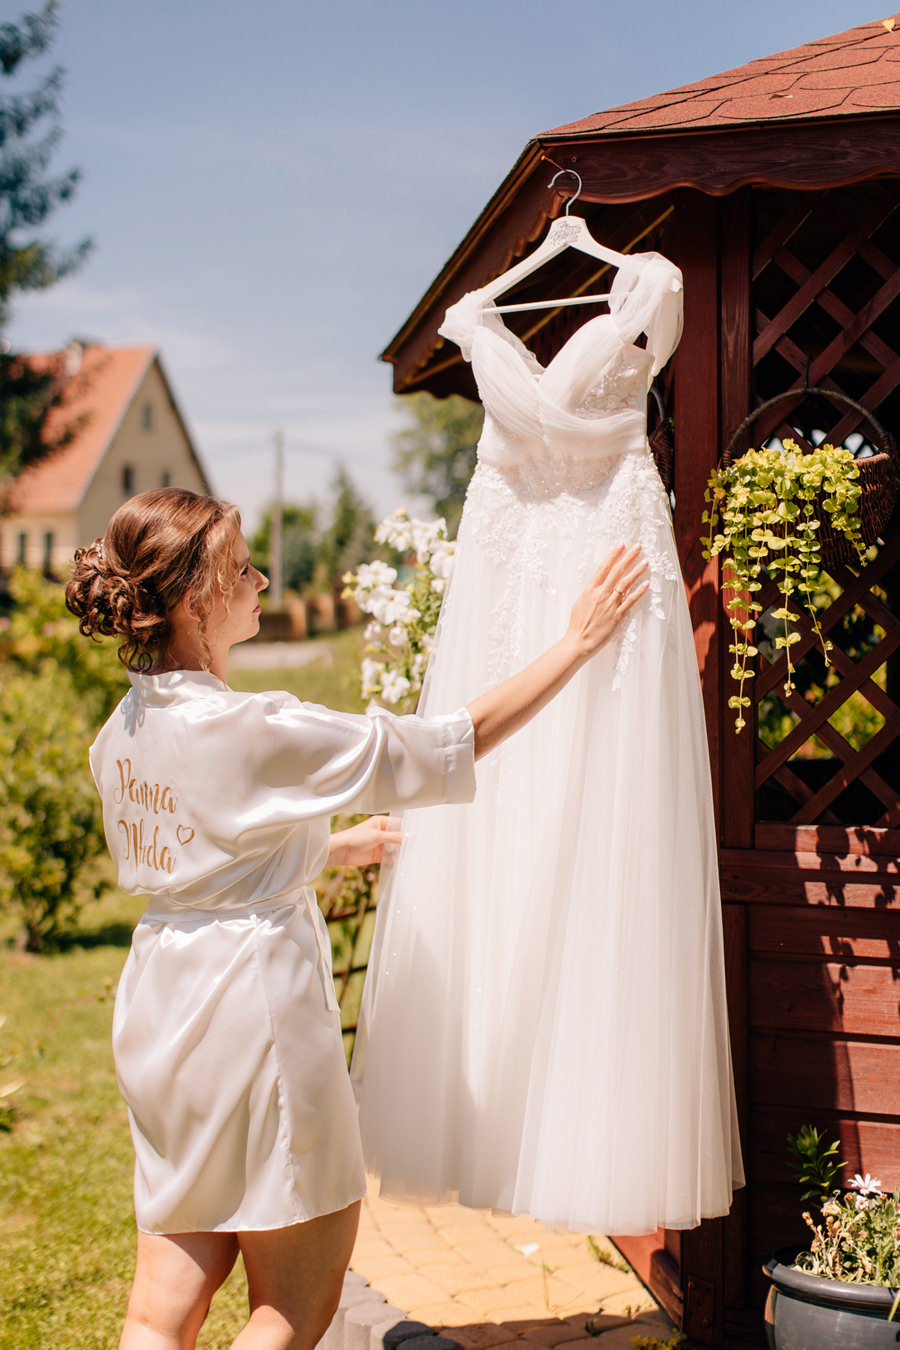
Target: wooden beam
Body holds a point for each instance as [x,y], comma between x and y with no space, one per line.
[616,167]
[696,383]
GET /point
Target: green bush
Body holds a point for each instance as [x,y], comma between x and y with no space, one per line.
[43,635]
[50,822]
[56,689]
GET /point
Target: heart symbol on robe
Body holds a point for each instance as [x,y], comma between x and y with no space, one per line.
[185,834]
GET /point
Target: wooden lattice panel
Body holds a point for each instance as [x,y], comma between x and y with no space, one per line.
[826,275]
[813,741]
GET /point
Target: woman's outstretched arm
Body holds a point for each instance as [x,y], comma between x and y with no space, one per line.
[597,612]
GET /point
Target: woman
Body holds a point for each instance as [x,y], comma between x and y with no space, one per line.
[216,805]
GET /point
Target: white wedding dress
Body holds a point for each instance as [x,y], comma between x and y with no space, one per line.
[544,1028]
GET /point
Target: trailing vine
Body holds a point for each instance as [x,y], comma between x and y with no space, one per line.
[763,518]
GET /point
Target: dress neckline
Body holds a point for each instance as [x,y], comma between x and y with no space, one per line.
[525,354]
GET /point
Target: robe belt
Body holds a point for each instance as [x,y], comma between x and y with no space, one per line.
[176,915]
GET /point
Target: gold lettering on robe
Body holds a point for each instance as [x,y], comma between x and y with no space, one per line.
[146,837]
[154,797]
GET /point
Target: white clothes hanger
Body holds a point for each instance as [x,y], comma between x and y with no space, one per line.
[565,232]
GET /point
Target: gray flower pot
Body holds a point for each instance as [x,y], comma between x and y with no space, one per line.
[807,1312]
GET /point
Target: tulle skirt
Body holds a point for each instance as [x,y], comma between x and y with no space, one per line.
[544,1028]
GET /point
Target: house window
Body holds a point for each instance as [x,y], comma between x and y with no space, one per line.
[127,479]
[147,416]
[166,479]
[48,550]
[22,551]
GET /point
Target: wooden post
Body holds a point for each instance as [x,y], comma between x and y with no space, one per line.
[696,251]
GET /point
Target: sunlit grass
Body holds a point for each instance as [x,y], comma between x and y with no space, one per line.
[331,677]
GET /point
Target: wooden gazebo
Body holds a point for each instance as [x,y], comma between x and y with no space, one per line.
[775,188]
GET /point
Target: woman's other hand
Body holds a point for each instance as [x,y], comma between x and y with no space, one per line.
[368,842]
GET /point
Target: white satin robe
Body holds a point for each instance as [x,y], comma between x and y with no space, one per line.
[226,1033]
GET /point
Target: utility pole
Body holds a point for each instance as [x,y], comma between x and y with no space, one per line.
[275,548]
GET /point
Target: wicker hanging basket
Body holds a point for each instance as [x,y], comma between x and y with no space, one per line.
[879,477]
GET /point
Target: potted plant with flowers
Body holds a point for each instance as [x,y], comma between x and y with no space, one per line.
[844,1289]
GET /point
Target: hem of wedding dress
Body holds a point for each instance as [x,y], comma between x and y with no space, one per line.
[719,1210]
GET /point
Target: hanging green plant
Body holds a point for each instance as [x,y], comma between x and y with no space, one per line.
[764,519]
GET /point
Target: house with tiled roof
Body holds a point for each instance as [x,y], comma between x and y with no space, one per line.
[123,433]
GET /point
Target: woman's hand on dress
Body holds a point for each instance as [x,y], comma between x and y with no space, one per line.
[609,595]
[365,843]
[615,587]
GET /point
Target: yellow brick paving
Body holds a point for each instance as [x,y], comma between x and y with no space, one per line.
[491,1281]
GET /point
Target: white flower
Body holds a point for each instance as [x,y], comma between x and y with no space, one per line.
[427,537]
[400,634]
[394,686]
[441,562]
[867,1185]
[370,672]
[396,530]
[392,607]
[370,576]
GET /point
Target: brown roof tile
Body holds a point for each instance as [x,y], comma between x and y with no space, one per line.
[95,400]
[851,72]
[794,103]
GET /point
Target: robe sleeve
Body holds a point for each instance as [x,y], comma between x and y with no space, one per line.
[649,298]
[300,760]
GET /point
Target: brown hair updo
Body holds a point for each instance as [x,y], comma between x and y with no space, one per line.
[158,547]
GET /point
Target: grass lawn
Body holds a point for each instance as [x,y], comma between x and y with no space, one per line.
[65,1154]
[332,678]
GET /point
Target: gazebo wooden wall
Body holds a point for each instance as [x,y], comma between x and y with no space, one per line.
[801,290]
[788,236]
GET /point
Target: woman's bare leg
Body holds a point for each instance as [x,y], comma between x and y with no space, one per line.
[295,1276]
[175,1277]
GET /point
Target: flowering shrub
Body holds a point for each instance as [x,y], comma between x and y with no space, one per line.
[404,614]
[857,1237]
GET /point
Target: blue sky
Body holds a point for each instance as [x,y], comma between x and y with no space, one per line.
[271,186]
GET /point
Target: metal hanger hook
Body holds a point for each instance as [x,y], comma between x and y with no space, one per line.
[575,195]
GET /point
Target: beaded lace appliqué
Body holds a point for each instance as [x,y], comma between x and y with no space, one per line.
[559,515]
[616,390]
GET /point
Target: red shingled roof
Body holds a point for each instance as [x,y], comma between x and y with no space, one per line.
[99,392]
[851,73]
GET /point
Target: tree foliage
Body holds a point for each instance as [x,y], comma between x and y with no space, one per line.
[348,539]
[434,452]
[314,553]
[299,533]
[29,194]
